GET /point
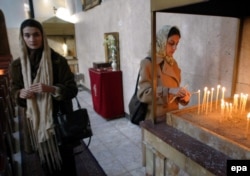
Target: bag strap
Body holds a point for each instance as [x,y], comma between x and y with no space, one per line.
[137,81]
[78,104]
[136,86]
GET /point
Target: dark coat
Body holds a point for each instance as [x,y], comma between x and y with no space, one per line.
[62,78]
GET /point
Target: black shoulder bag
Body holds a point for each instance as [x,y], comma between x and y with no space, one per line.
[74,126]
[137,109]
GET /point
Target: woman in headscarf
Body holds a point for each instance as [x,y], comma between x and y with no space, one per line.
[41,83]
[168,92]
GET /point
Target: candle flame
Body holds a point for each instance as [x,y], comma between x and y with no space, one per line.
[222,102]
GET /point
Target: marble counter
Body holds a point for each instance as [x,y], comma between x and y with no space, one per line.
[168,151]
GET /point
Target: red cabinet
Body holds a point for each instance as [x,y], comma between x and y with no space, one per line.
[107,92]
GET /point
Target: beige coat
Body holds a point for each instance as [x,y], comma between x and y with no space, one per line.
[169,76]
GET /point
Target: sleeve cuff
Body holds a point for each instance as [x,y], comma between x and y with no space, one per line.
[57,92]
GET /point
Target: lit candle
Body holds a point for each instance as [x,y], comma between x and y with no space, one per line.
[208,93]
[199,97]
[235,105]
[1,71]
[241,101]
[244,103]
[227,108]
[230,109]
[211,100]
[223,92]
[217,96]
[204,99]
[222,107]
[248,119]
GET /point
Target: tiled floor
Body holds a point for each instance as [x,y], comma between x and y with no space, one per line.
[116,143]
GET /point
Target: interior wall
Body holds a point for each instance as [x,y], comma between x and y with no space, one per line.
[243,62]
[131,19]
[206,52]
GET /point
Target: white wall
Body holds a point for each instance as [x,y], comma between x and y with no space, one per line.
[207,50]
[13,11]
[132,20]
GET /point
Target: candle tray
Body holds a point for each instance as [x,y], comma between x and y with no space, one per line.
[223,133]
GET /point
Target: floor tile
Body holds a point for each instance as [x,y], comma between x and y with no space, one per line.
[116,143]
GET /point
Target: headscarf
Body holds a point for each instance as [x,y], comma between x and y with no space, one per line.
[39,109]
[161,42]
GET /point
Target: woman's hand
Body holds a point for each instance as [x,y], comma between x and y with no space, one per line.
[186,98]
[178,91]
[26,94]
[41,88]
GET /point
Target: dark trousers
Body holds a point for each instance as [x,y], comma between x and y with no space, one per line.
[68,167]
[68,160]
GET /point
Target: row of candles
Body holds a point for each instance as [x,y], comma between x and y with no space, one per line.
[207,102]
[227,108]
[239,101]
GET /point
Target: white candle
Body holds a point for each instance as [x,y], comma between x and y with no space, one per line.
[199,97]
[235,105]
[217,96]
[241,101]
[244,103]
[222,107]
[204,99]
[211,100]
[223,92]
[227,109]
[248,119]
[208,93]
[230,109]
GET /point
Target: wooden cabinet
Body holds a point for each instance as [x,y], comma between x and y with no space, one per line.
[107,92]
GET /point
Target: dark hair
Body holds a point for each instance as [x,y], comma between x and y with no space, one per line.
[174,31]
[31,23]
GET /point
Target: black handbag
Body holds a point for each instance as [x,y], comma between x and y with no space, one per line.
[137,109]
[74,126]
